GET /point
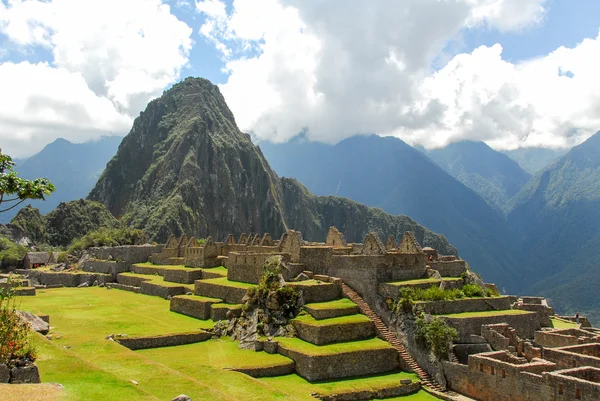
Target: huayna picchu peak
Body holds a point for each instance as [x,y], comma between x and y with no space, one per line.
[185,167]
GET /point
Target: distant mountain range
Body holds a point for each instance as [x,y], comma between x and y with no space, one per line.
[556,219]
[73,168]
[492,175]
[387,173]
[533,160]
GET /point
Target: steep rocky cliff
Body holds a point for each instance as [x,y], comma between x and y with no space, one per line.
[186,167]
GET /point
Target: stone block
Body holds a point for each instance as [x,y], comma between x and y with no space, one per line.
[25,374]
[187,276]
[321,277]
[194,306]
[124,287]
[317,292]
[220,311]
[158,290]
[327,333]
[271,347]
[320,314]
[220,289]
[166,340]
[4,374]
[339,365]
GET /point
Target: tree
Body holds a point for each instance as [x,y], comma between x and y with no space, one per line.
[15,190]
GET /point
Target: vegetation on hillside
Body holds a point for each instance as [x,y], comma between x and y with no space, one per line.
[435,335]
[108,237]
[11,254]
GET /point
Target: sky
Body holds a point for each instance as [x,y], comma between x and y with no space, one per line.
[512,73]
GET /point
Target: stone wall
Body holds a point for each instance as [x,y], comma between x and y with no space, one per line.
[166,340]
[564,338]
[66,279]
[464,305]
[574,356]
[187,276]
[246,267]
[336,366]
[127,253]
[149,288]
[524,324]
[449,269]
[320,335]
[105,266]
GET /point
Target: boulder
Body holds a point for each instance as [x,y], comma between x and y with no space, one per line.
[4,374]
[26,374]
[182,397]
[35,322]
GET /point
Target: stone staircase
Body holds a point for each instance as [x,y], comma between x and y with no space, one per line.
[386,334]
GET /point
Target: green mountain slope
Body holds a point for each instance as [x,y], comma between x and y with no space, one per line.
[556,217]
[533,160]
[72,168]
[186,167]
[492,175]
[387,173]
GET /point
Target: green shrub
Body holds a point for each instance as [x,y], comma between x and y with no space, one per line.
[11,254]
[435,336]
[489,292]
[473,291]
[14,343]
[108,237]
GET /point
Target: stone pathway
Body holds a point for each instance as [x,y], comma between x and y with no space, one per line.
[387,335]
[429,383]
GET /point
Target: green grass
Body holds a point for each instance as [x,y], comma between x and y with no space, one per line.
[95,369]
[217,270]
[155,279]
[200,298]
[227,306]
[419,281]
[221,354]
[227,283]
[350,319]
[563,324]
[308,283]
[166,267]
[343,303]
[304,347]
[488,313]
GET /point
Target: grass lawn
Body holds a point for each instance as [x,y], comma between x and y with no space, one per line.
[93,368]
[419,281]
[488,313]
[563,324]
[343,303]
[304,347]
[159,280]
[350,319]
[228,283]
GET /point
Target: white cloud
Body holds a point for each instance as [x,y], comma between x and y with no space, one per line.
[110,57]
[365,67]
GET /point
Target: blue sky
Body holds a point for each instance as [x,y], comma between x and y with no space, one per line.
[566,23]
[429,72]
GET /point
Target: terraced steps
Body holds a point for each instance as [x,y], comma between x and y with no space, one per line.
[385,333]
[340,360]
[317,291]
[224,311]
[327,310]
[392,289]
[194,305]
[336,329]
[179,273]
[229,291]
[467,323]
[152,285]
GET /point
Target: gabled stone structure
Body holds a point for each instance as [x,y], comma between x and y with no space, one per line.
[267,240]
[230,240]
[409,244]
[243,239]
[372,245]
[255,241]
[335,238]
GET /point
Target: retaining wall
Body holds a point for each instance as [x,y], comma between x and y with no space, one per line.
[166,340]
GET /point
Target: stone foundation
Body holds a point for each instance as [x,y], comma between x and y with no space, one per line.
[166,340]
